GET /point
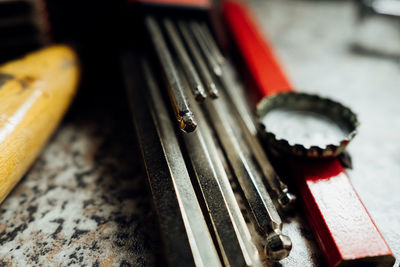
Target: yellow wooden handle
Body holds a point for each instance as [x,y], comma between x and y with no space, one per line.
[35,92]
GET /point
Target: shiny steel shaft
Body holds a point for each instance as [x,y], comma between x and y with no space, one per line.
[243,115]
[192,77]
[230,228]
[249,250]
[196,229]
[212,46]
[277,245]
[248,247]
[177,96]
[198,60]
[231,243]
[201,41]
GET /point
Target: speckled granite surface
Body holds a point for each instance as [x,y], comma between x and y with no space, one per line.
[85,201]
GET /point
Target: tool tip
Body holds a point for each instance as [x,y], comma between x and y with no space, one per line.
[189,123]
[213,90]
[200,94]
[217,70]
[278,246]
[286,199]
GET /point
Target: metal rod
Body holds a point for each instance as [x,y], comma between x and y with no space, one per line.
[243,115]
[177,97]
[171,200]
[242,231]
[198,60]
[205,31]
[231,246]
[201,243]
[277,244]
[192,77]
[211,61]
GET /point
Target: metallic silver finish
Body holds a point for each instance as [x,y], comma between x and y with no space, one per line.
[249,249]
[231,244]
[340,115]
[246,122]
[184,230]
[201,41]
[243,115]
[198,60]
[200,240]
[205,31]
[250,180]
[193,78]
[175,91]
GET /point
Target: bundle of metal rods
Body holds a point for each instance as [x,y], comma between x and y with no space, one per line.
[208,102]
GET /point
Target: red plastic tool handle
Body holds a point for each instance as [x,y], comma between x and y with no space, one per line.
[265,71]
[342,226]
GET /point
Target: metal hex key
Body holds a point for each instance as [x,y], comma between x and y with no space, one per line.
[211,61]
[177,97]
[188,241]
[243,115]
[212,46]
[277,245]
[200,63]
[248,247]
[192,77]
[232,239]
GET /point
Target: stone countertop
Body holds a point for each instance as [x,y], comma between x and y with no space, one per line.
[85,201]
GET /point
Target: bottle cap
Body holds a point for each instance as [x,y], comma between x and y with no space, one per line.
[306,125]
